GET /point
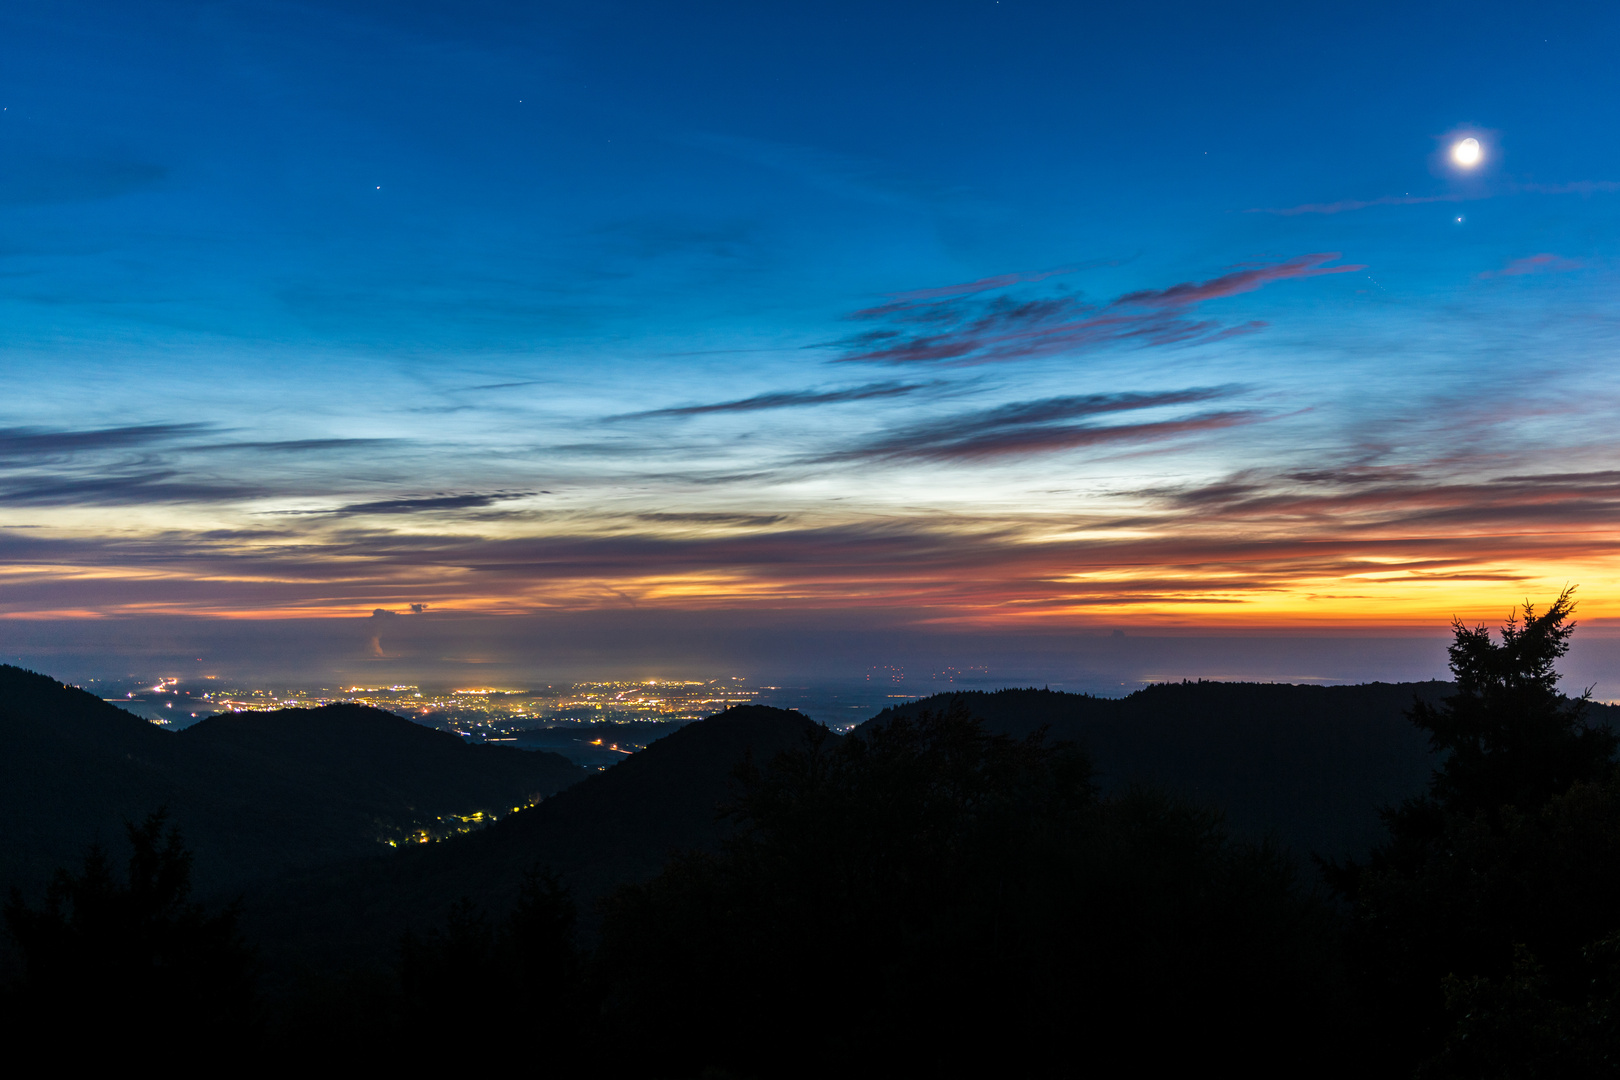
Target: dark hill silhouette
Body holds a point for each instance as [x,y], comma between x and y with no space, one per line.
[1309,765]
[614,827]
[72,767]
[367,759]
[253,793]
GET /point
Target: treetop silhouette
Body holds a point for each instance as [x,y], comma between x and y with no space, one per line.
[117,949]
[1511,738]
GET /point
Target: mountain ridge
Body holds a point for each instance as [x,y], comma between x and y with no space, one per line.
[613,827]
[1306,765]
[254,794]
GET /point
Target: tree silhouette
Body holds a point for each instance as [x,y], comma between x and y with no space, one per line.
[1510,737]
[1480,925]
[522,976]
[122,954]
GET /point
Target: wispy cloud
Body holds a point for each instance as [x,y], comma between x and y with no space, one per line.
[502,385]
[785,399]
[298,446]
[419,504]
[698,518]
[1346,205]
[1249,279]
[23,443]
[1544,263]
[1341,537]
[155,464]
[1044,426]
[1576,187]
[1257,540]
[905,301]
[107,466]
[1421,500]
[131,488]
[958,330]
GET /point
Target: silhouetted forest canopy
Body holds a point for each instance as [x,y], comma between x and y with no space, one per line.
[1484,931]
[108,950]
[1005,884]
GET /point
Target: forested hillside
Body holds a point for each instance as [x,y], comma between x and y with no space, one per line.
[1308,765]
[613,827]
[253,793]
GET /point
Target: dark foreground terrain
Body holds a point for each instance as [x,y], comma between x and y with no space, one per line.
[255,794]
[1306,765]
[609,829]
[1374,880]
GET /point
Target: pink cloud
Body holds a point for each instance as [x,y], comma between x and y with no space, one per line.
[1255,533]
[1544,263]
[958,330]
[904,301]
[1189,293]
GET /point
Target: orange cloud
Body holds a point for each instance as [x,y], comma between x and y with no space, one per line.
[1325,548]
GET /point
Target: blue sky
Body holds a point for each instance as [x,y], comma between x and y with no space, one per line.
[981,315]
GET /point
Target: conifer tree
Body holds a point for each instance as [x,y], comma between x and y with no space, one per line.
[124,953]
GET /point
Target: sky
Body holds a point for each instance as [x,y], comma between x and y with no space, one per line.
[647,330]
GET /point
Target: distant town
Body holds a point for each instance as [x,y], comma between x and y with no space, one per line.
[593,722]
[485,712]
